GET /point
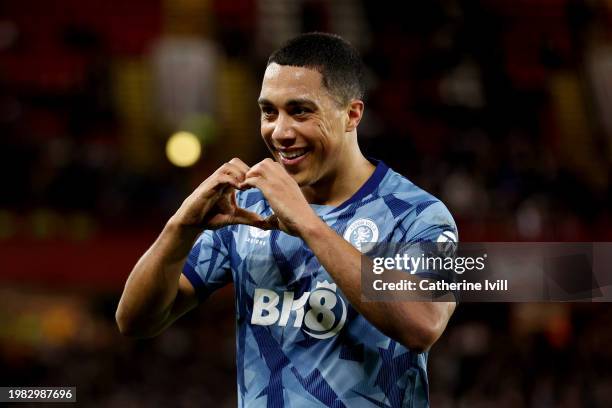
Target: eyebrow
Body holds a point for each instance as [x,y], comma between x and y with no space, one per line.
[289,103]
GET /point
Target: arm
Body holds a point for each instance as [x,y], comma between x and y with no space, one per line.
[416,325]
[156,293]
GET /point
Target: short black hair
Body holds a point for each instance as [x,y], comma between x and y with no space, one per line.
[339,63]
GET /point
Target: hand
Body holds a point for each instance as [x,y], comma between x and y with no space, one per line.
[291,210]
[212,204]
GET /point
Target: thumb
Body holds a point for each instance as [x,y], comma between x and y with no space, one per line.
[242,216]
[273,223]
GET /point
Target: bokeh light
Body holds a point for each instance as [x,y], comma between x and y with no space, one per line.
[183,149]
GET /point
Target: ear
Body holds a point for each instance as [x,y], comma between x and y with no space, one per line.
[354,114]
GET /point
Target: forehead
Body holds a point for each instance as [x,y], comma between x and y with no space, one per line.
[282,82]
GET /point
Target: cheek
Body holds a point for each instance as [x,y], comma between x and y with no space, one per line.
[266,131]
[328,134]
[265,127]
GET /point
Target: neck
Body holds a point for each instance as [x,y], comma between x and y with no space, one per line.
[350,174]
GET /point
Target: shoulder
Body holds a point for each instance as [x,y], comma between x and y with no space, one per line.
[421,214]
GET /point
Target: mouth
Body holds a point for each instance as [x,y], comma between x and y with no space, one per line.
[291,157]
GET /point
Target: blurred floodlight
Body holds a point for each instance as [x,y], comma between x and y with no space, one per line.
[183,149]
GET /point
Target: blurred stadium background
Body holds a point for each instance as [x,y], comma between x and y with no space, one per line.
[501,108]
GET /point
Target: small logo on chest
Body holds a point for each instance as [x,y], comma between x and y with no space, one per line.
[360,232]
[257,236]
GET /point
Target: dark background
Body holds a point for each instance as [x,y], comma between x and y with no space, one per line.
[503,109]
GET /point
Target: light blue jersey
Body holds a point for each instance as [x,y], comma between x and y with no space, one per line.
[299,341]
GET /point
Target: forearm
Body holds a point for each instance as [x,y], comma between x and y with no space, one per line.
[416,325]
[152,286]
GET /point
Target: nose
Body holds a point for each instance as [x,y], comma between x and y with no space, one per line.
[284,132]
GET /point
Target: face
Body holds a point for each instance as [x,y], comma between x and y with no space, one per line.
[301,123]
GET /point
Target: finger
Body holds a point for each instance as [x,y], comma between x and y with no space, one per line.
[223,180]
[267,160]
[277,168]
[253,171]
[240,164]
[250,182]
[271,222]
[267,168]
[246,217]
[261,168]
[256,172]
[232,170]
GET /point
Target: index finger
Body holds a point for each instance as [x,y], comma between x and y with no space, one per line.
[240,164]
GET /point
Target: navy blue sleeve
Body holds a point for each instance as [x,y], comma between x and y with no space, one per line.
[207,266]
[430,233]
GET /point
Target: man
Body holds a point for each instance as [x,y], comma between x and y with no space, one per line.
[285,231]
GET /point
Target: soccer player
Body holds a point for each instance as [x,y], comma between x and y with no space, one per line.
[288,233]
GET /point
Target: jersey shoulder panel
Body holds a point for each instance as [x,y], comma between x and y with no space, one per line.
[421,215]
[207,265]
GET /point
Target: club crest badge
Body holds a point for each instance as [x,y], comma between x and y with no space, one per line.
[360,232]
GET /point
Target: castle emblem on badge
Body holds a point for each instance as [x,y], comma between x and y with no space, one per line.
[360,232]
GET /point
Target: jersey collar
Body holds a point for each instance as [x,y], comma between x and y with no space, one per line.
[368,187]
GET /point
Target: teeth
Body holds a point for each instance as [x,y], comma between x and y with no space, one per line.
[292,154]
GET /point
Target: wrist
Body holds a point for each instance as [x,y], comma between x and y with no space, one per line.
[313,228]
[178,230]
[175,241]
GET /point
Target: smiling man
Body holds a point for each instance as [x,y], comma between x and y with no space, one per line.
[288,233]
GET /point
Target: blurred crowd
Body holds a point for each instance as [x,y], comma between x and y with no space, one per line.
[503,109]
[500,108]
[67,340]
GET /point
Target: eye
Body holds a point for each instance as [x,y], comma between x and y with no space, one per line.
[300,111]
[267,112]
